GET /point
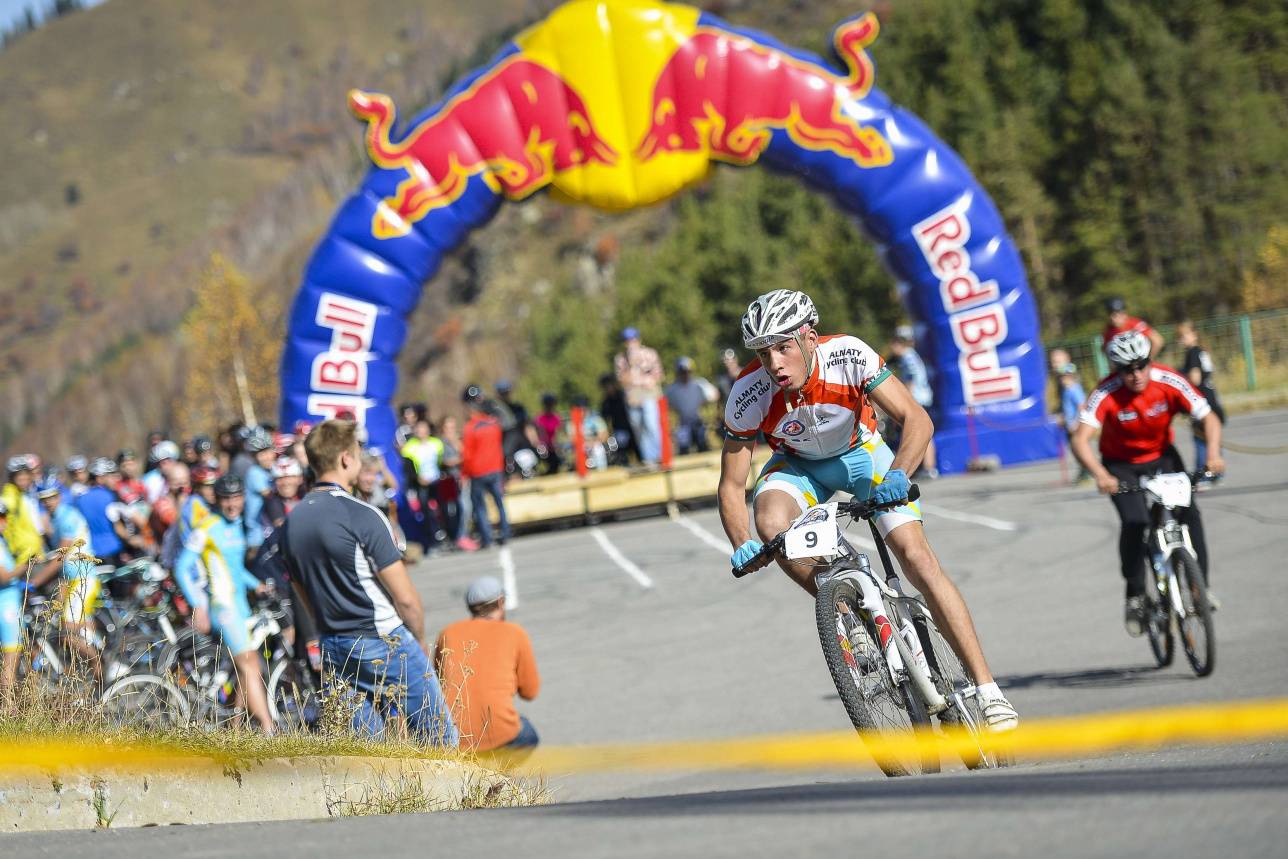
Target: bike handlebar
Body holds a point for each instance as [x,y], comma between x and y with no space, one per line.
[853,509]
[1125,488]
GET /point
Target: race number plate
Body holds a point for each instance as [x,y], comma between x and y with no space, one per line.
[1172,490]
[814,534]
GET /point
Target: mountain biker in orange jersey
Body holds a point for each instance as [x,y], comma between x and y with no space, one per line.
[812,397]
[1133,409]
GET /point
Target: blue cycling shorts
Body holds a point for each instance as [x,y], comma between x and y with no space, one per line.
[814,481]
[233,625]
[10,619]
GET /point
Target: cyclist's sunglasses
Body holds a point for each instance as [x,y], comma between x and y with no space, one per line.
[1133,367]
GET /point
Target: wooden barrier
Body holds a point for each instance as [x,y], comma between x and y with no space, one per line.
[565,496]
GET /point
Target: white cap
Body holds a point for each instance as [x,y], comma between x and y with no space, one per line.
[286,466]
[484,590]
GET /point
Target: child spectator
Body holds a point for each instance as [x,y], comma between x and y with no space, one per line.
[483,663]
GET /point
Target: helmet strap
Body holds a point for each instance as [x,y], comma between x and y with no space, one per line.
[799,336]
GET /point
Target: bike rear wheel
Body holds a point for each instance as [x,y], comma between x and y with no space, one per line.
[1198,637]
[877,706]
[202,669]
[952,681]
[1158,621]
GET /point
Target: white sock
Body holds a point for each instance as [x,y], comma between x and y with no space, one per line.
[989,691]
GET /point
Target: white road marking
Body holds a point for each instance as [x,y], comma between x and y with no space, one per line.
[620,560]
[508,578]
[721,546]
[973,518]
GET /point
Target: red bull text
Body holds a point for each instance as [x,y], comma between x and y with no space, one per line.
[975,314]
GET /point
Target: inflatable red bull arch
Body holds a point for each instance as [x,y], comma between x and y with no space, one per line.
[622,103]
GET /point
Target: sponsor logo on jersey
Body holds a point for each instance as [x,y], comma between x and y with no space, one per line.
[1156,409]
[750,397]
[1127,415]
[846,355]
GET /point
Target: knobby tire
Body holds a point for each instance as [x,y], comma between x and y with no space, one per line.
[861,715]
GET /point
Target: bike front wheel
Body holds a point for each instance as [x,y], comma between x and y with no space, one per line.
[145,699]
[1198,637]
[1158,622]
[293,699]
[878,706]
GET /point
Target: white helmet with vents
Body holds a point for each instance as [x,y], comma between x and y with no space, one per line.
[1128,348]
[776,316]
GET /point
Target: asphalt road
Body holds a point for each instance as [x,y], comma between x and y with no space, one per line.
[668,646]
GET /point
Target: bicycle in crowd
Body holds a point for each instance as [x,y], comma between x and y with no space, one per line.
[1176,597]
[892,667]
[127,633]
[194,680]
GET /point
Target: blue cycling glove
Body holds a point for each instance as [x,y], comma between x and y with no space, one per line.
[893,488]
[745,553]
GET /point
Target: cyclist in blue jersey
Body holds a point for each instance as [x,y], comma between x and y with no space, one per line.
[259,482]
[218,543]
[69,532]
[11,591]
[98,503]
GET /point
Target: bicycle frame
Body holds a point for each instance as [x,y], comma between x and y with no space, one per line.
[903,649]
[1169,536]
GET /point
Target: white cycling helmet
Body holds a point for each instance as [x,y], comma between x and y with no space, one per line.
[776,316]
[1128,348]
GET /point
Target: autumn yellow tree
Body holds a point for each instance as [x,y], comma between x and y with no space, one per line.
[1265,287]
[232,348]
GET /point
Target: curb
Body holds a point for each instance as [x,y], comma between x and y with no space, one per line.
[200,790]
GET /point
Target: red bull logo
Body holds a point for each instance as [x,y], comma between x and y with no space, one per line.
[727,94]
[547,128]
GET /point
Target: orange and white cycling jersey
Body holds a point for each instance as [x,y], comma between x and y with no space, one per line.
[830,415]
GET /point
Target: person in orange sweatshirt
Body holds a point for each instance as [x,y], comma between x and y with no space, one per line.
[483,662]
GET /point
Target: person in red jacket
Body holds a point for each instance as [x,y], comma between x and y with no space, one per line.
[1120,323]
[483,462]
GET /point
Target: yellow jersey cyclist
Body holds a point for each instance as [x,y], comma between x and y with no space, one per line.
[80,584]
[813,399]
[11,594]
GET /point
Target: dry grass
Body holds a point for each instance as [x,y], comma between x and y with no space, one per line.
[69,709]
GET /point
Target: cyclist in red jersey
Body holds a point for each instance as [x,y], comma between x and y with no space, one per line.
[1121,323]
[1133,409]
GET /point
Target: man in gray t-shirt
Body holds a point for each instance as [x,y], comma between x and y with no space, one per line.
[685,397]
[343,555]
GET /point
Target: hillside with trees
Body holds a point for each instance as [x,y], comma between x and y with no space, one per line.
[1134,148]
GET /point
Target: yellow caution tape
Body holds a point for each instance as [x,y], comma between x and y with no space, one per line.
[1037,739]
[1070,737]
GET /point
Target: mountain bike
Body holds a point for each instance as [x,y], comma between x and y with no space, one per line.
[1175,588]
[892,667]
[126,632]
[198,669]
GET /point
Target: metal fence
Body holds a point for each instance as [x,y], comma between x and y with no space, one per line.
[1249,351]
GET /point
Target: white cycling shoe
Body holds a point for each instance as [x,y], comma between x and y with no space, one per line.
[999,715]
[1134,616]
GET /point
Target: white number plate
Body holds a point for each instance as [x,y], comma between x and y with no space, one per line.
[1172,490]
[814,534]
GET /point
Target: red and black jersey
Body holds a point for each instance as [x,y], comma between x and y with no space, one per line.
[1138,427]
